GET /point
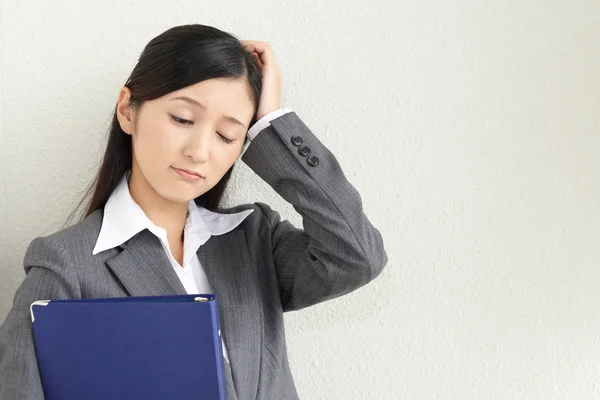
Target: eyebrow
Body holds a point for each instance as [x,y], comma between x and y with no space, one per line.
[196,102]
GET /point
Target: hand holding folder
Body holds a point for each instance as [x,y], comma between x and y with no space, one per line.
[158,347]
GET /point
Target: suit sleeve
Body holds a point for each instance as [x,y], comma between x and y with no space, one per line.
[338,250]
[47,278]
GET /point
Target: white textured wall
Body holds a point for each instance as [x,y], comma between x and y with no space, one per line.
[472,130]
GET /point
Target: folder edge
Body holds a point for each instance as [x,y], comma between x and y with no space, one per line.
[37,303]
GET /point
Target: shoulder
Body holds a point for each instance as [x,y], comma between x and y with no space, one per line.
[79,238]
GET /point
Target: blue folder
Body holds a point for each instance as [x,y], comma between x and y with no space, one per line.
[156,347]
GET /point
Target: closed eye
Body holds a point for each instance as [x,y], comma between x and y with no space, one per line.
[181,121]
[223,138]
[185,122]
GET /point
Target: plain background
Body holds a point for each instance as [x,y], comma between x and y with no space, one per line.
[471,129]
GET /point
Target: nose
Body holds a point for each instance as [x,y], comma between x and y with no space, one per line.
[198,146]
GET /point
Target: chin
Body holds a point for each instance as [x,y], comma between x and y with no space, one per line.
[180,196]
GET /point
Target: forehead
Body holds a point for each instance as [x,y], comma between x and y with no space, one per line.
[226,97]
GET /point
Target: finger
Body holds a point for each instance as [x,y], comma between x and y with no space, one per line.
[251,49]
[257,60]
[263,49]
[256,46]
[248,45]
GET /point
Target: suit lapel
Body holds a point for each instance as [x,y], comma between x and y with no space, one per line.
[228,268]
[144,269]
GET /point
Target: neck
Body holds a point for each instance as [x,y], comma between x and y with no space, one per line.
[167,214]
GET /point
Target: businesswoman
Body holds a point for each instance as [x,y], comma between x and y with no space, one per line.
[154,225]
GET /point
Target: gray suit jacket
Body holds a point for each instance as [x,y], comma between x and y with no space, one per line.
[260,269]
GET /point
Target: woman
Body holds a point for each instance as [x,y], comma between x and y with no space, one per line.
[154,226]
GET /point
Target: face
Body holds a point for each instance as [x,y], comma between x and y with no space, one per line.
[184,142]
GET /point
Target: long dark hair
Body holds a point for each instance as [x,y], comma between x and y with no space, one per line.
[177,58]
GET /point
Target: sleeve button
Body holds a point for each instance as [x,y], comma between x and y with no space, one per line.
[304,151]
[312,161]
[296,140]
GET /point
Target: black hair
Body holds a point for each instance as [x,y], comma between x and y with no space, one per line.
[177,58]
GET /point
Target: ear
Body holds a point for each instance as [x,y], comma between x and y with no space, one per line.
[124,111]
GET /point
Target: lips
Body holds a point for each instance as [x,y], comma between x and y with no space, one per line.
[188,174]
[187,171]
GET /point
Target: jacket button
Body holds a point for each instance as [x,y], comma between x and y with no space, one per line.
[312,161]
[296,140]
[304,151]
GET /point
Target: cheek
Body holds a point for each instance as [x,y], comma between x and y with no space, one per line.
[156,144]
[222,160]
[229,155]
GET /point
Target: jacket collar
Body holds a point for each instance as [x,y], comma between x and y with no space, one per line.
[123,219]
